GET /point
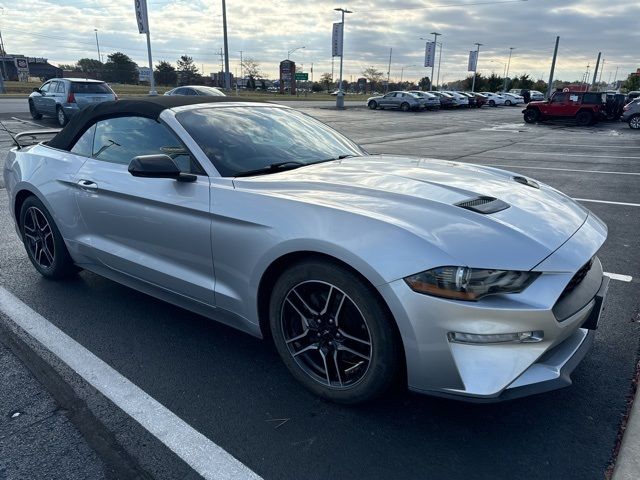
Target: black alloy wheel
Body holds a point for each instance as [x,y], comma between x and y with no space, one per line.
[44,243]
[332,333]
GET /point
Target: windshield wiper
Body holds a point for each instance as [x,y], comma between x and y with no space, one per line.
[272,168]
[339,157]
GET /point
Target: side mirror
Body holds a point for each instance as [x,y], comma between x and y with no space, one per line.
[37,90]
[158,166]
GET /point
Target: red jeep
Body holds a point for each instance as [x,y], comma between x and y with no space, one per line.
[586,107]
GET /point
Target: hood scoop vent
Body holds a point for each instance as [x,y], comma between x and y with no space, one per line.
[526,181]
[484,205]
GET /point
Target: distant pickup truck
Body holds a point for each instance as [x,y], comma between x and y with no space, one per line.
[585,107]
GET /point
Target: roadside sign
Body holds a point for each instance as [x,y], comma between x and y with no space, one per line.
[473,61]
[336,40]
[430,54]
[302,76]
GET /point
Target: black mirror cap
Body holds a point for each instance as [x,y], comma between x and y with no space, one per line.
[36,89]
[158,166]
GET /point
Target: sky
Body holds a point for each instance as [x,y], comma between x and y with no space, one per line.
[265,30]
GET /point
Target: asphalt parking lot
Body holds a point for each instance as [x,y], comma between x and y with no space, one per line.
[234,390]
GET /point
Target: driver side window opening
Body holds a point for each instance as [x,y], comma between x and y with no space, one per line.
[120,139]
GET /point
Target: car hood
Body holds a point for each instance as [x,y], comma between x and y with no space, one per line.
[419,196]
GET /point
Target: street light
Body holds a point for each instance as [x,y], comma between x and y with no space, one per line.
[433,65]
[402,71]
[293,50]
[340,96]
[475,70]
[504,87]
[98,45]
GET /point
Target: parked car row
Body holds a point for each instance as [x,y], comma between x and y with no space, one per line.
[586,108]
[434,100]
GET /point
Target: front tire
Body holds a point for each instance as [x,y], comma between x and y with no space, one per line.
[634,122]
[42,240]
[584,118]
[508,103]
[34,113]
[372,104]
[492,103]
[531,115]
[405,107]
[333,333]
[61,117]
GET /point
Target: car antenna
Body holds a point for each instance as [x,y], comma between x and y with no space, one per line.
[11,135]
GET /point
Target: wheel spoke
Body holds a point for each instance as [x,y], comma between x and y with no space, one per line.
[47,253]
[299,337]
[29,236]
[344,348]
[29,228]
[326,369]
[355,339]
[311,310]
[34,218]
[337,313]
[335,362]
[305,320]
[326,304]
[313,346]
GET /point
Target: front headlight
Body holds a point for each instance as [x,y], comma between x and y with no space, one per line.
[462,283]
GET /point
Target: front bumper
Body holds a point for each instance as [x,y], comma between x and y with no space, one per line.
[497,371]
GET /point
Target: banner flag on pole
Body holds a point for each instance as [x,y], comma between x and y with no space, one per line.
[430,54]
[473,61]
[141,16]
[336,40]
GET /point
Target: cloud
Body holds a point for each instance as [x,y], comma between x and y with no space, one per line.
[63,31]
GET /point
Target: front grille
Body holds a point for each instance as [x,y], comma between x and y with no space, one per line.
[577,278]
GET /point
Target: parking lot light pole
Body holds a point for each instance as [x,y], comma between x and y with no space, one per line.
[433,65]
[553,67]
[340,97]
[475,70]
[289,52]
[402,71]
[227,75]
[504,87]
[97,44]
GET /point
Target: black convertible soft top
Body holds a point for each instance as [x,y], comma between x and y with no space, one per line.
[150,107]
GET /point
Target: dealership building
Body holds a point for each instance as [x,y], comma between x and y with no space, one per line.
[21,67]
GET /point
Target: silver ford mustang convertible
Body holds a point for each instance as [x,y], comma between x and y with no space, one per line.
[467,281]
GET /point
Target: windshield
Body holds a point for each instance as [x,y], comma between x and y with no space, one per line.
[211,91]
[243,139]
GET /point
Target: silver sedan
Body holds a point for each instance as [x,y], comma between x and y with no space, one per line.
[467,281]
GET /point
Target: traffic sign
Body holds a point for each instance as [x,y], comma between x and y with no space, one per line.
[302,76]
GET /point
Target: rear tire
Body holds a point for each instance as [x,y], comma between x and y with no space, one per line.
[492,103]
[44,243]
[531,115]
[34,113]
[405,107]
[508,103]
[372,104]
[634,122]
[584,118]
[61,117]
[345,350]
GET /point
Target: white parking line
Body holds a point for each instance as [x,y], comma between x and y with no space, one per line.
[626,204]
[200,453]
[26,121]
[617,276]
[577,145]
[566,154]
[563,169]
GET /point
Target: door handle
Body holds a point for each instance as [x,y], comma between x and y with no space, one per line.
[87,185]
